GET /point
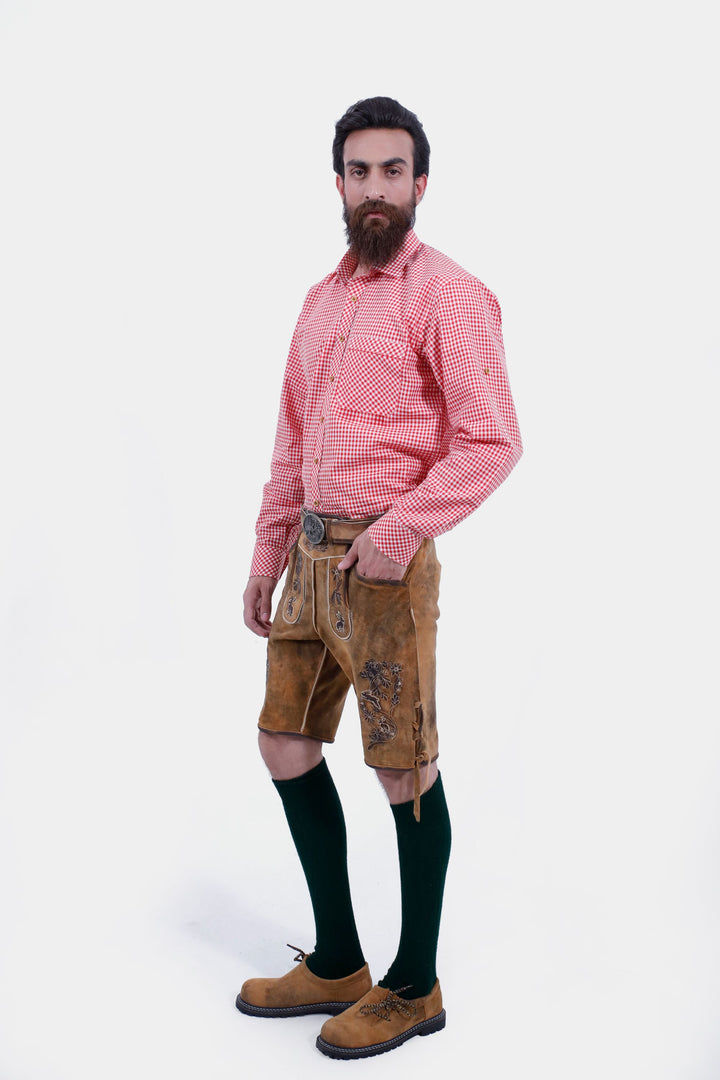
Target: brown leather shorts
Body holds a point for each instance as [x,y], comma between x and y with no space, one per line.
[334,629]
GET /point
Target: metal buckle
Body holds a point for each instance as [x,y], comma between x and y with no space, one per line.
[314,528]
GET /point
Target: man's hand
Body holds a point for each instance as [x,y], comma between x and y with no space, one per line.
[371,563]
[258,604]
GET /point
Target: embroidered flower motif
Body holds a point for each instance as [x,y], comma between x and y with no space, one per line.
[378,702]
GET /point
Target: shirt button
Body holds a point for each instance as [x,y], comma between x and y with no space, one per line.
[322,419]
[354,299]
[316,502]
[316,461]
[332,378]
[341,338]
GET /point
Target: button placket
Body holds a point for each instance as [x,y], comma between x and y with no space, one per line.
[342,332]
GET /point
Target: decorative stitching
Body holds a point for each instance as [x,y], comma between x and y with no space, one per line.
[296,592]
[339,612]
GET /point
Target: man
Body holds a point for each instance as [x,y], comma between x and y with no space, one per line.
[396,422]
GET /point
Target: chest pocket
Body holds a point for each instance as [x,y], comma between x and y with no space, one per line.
[371,375]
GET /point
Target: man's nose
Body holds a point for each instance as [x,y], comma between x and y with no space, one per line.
[375,188]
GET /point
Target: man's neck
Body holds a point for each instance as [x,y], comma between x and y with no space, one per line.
[361,270]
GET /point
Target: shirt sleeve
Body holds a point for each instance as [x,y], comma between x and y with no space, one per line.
[277,526]
[464,347]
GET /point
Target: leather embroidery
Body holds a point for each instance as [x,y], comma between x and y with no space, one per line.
[296,593]
[378,702]
[339,613]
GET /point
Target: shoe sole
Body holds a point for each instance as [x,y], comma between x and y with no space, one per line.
[329,1007]
[426,1027]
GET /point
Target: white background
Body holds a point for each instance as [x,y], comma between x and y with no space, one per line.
[167,199]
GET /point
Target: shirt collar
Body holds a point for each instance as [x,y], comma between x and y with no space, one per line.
[394,268]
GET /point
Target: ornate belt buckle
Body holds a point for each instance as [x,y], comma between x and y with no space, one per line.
[314,528]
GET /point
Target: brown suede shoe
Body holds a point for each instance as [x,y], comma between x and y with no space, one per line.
[300,992]
[379,1022]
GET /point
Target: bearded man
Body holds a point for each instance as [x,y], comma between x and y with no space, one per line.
[396,422]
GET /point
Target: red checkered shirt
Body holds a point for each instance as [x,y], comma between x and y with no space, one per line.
[395,403]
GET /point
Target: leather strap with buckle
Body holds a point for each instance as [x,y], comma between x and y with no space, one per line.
[319,527]
[313,526]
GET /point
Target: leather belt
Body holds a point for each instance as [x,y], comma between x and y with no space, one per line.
[319,527]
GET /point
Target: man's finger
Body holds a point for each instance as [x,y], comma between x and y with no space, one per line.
[258,605]
[258,623]
[265,604]
[350,558]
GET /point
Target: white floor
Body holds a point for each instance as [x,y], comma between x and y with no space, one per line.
[147,871]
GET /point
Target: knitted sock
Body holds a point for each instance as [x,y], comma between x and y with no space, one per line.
[424,850]
[317,824]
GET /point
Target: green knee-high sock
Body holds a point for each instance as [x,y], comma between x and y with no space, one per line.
[424,850]
[317,825]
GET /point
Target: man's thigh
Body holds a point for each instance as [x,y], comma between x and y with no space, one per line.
[333,629]
[306,686]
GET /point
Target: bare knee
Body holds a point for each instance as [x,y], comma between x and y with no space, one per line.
[399,784]
[288,756]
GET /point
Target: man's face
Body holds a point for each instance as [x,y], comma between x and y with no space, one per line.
[379,191]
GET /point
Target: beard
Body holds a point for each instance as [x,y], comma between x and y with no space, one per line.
[376,240]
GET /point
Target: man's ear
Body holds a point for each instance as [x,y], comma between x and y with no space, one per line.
[340,185]
[420,185]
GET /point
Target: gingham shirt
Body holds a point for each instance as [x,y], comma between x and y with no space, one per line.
[395,403]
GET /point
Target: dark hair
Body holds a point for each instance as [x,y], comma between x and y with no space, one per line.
[381,112]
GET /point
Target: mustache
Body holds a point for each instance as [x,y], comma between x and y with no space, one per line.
[395,215]
[371,206]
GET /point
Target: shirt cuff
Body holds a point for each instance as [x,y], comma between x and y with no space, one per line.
[396,541]
[268,562]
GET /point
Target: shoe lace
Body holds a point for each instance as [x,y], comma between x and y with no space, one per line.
[389,1004]
[300,954]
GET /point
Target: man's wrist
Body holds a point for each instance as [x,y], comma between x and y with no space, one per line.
[395,540]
